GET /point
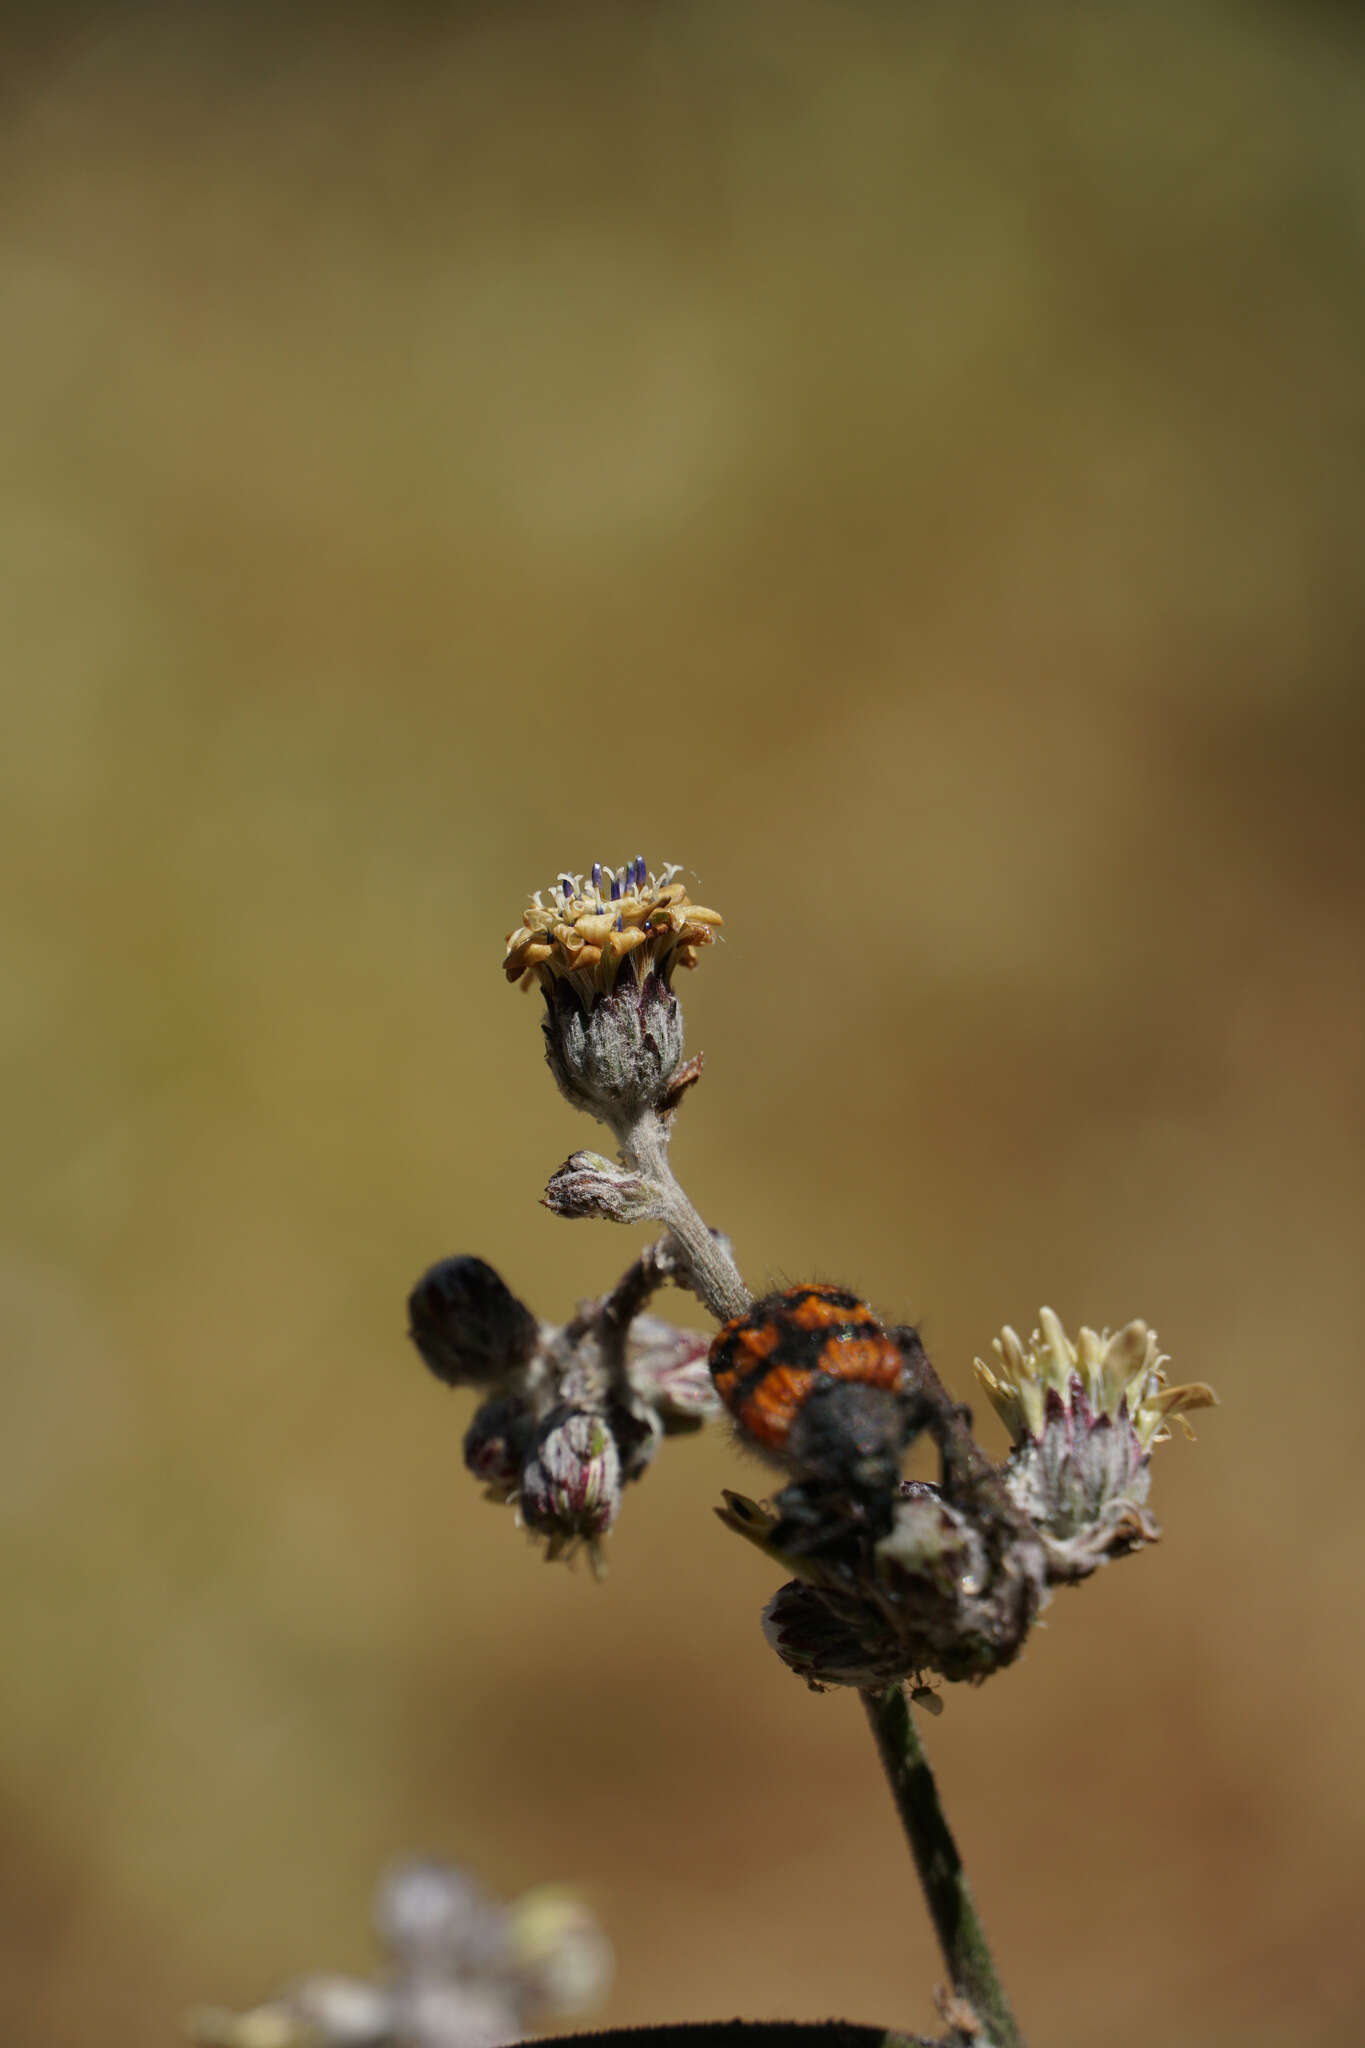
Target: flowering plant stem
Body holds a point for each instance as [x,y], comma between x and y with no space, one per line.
[947,1894]
[711,1271]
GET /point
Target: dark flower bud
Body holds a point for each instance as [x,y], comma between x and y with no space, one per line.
[498,1442]
[468,1325]
[831,1641]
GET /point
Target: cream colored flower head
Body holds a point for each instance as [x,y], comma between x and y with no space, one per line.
[1114,1375]
[592,926]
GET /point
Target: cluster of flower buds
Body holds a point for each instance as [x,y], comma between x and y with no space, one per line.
[947,1578]
[604,949]
[461,1971]
[569,1413]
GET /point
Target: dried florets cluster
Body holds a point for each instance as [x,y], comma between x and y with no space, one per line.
[461,1971]
[571,1413]
[604,950]
[1083,1418]
[593,927]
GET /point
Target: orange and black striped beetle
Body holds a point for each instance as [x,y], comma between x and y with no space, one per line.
[816,1383]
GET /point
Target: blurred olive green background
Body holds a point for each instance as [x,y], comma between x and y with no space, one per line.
[907,465]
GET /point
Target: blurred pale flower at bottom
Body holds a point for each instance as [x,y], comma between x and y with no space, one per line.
[462,1972]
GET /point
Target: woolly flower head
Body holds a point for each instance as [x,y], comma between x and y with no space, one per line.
[1118,1375]
[1083,1418]
[593,926]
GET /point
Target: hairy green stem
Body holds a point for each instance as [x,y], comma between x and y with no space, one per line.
[947,1894]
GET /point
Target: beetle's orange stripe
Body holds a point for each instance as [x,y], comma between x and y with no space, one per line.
[874,1361]
[830,1311]
[767,1413]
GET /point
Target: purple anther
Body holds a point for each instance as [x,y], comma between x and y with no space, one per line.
[597,876]
[639,871]
[568,889]
[620,922]
[616,888]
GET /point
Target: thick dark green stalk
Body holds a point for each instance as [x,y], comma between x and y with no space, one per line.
[960,1933]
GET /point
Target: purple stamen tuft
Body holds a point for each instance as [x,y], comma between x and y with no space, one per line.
[597,876]
[616,888]
[639,871]
[620,922]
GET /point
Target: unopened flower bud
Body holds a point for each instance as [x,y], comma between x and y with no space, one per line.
[498,1441]
[571,1485]
[589,1185]
[469,1327]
